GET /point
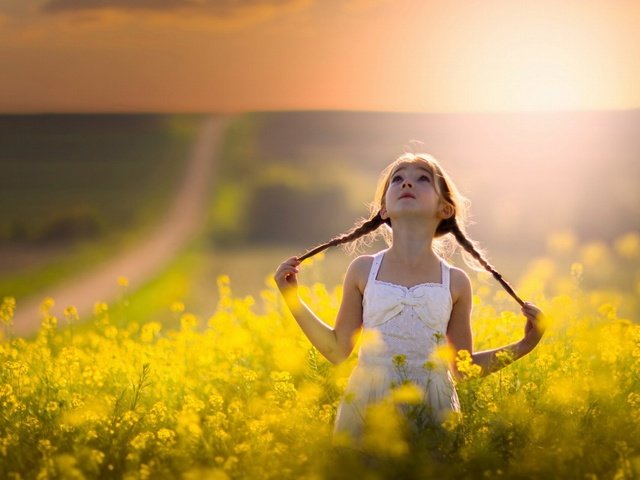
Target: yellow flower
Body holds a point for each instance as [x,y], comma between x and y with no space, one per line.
[384,433]
[465,365]
[166,435]
[47,304]
[429,365]
[452,420]
[71,314]
[563,241]
[49,322]
[407,393]
[188,321]
[149,331]
[399,360]
[594,253]
[177,307]
[52,406]
[140,441]
[634,400]
[123,281]
[189,423]
[216,401]
[576,270]
[504,357]
[100,307]
[443,354]
[628,246]
[242,448]
[7,310]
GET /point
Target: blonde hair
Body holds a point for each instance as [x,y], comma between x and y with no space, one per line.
[367,229]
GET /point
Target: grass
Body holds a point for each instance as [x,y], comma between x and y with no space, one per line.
[127,170]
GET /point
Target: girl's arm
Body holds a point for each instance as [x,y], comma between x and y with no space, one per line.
[337,343]
[489,361]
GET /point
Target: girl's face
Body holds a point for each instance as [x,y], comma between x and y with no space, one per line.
[411,190]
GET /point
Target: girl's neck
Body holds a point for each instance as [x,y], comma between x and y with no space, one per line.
[411,246]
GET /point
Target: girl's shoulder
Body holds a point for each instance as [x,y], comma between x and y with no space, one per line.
[359,269]
[459,282]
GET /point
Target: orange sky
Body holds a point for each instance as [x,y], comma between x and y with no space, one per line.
[403,55]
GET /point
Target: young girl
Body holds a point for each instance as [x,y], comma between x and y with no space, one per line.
[408,296]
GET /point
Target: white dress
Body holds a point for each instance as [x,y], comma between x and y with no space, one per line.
[410,321]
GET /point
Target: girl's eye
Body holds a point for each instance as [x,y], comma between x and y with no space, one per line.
[394,178]
[425,176]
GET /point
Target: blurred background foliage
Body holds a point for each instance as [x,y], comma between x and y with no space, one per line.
[68,177]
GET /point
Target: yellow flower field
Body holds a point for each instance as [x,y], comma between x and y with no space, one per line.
[242,394]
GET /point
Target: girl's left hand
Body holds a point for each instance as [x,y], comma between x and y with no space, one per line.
[536,324]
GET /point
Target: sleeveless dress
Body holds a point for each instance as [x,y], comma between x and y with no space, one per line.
[408,321]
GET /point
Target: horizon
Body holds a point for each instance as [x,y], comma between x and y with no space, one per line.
[479,112]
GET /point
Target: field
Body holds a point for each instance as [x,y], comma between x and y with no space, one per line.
[241,393]
[203,372]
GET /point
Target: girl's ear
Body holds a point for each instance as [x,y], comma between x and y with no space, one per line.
[446,211]
[383,213]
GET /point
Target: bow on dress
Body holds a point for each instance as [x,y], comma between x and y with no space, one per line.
[388,306]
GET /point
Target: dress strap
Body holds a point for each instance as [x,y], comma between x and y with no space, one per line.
[375,266]
[446,272]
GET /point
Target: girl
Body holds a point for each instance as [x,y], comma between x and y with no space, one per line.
[408,299]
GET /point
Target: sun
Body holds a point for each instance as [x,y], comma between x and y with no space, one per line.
[517,57]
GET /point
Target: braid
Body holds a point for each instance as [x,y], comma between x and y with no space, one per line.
[469,247]
[367,226]
[446,188]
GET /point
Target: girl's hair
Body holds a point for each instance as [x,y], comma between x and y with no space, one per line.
[367,229]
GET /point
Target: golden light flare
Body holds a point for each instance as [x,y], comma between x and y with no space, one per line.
[509,56]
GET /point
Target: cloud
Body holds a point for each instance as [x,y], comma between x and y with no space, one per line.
[203,15]
[218,8]
[358,6]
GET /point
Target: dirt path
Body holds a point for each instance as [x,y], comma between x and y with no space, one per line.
[140,263]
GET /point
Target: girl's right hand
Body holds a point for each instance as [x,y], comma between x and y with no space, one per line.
[535,326]
[285,276]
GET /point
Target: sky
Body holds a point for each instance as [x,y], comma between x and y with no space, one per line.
[377,55]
